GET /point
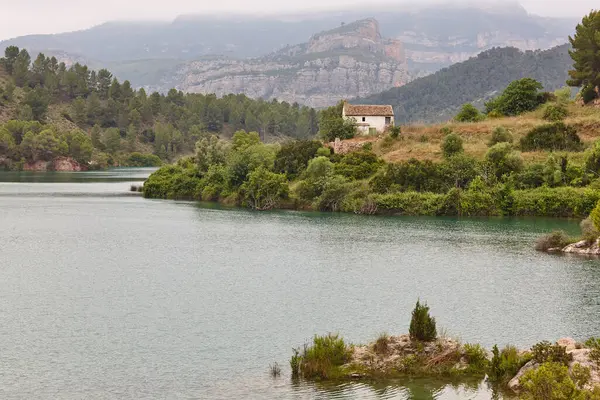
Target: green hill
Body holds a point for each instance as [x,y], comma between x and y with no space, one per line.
[437,97]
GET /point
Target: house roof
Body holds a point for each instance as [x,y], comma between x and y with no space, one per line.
[358,110]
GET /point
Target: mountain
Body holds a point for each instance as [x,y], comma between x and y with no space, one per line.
[438,97]
[349,61]
[433,37]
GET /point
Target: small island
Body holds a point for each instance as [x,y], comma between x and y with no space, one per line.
[563,370]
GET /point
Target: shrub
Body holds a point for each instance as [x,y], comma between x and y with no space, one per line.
[556,136]
[395,131]
[296,363]
[494,114]
[476,358]
[500,135]
[504,159]
[264,189]
[563,94]
[550,381]
[589,232]
[293,157]
[275,370]
[142,160]
[468,113]
[422,325]
[555,112]
[588,94]
[358,165]
[595,216]
[581,375]
[555,240]
[506,364]
[592,159]
[545,352]
[381,344]
[452,145]
[594,345]
[324,356]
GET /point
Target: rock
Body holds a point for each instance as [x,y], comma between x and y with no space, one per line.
[583,247]
[66,164]
[514,383]
[39,166]
[568,343]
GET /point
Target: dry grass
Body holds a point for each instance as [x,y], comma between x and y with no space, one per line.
[423,141]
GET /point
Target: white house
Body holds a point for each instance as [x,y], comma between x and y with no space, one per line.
[369,119]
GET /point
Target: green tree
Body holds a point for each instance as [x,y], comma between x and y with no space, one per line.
[25,113]
[96,136]
[79,111]
[79,146]
[519,96]
[468,113]
[422,325]
[38,100]
[264,189]
[10,56]
[452,145]
[112,140]
[210,151]
[332,125]
[551,381]
[7,143]
[586,54]
[20,71]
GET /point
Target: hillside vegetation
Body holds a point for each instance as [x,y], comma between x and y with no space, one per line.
[43,103]
[438,97]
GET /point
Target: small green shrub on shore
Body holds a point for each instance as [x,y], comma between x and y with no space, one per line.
[589,232]
[595,216]
[381,345]
[323,358]
[555,240]
[550,381]
[476,358]
[506,364]
[594,345]
[422,325]
[546,352]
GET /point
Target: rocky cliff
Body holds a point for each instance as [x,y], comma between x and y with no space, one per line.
[350,61]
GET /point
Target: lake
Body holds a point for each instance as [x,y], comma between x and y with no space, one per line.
[106,295]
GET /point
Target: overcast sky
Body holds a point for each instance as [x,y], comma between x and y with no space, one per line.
[24,17]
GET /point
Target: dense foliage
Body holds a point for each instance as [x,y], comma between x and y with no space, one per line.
[520,96]
[586,56]
[121,120]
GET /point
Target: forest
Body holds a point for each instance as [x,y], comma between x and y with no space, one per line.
[46,102]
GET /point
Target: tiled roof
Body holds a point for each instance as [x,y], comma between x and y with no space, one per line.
[368,110]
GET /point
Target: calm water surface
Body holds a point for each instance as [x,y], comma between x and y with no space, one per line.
[105,295]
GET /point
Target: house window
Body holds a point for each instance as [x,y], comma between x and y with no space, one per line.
[388,120]
[364,119]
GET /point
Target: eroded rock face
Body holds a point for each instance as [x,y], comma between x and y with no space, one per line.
[346,62]
[63,164]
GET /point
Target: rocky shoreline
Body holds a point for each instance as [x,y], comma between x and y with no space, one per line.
[582,247]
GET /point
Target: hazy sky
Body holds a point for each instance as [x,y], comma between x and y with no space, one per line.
[52,16]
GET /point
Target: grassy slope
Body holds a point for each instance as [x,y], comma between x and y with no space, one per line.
[423,141]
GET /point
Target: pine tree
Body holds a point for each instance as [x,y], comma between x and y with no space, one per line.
[586,55]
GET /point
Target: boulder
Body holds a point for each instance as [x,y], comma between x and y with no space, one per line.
[514,383]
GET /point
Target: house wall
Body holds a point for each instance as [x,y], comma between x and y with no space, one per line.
[373,122]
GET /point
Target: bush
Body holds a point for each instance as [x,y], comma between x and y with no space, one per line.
[452,145]
[142,160]
[358,165]
[293,157]
[503,159]
[422,325]
[545,352]
[395,131]
[551,381]
[500,135]
[264,189]
[589,232]
[555,112]
[594,345]
[476,358]
[555,240]
[552,137]
[381,344]
[595,216]
[588,94]
[322,359]
[468,113]
[506,364]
